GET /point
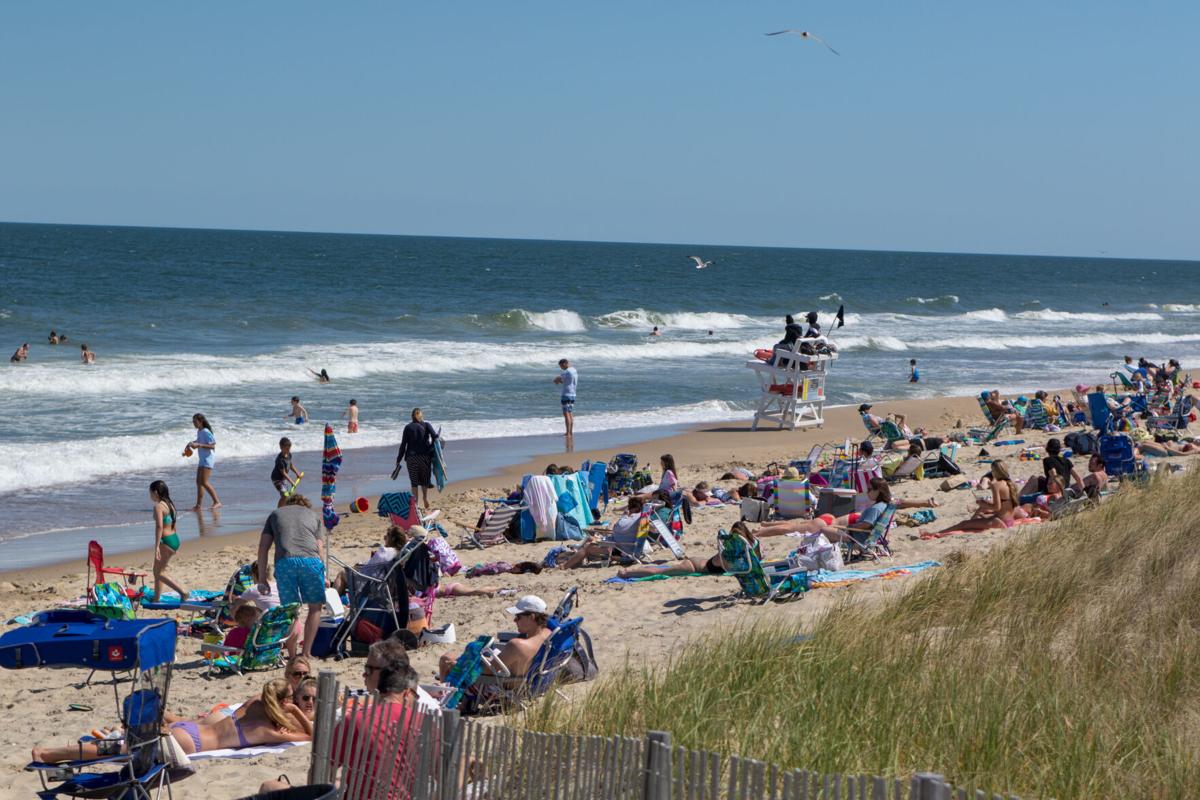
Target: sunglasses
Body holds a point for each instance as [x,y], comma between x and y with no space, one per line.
[308,697]
[298,673]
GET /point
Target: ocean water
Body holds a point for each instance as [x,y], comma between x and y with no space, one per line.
[228,322]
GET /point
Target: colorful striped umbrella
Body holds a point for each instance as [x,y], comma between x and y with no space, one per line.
[331,462]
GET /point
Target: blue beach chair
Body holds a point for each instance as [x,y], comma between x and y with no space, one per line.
[776,580]
[146,648]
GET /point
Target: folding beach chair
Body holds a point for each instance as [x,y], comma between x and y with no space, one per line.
[452,690]
[383,598]
[775,580]
[494,524]
[1120,377]
[109,600]
[891,432]
[98,574]
[873,431]
[1036,417]
[144,648]
[874,544]
[621,470]
[264,644]
[905,469]
[794,498]
[500,692]
[1177,420]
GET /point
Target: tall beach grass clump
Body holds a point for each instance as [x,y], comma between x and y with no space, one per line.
[1064,663]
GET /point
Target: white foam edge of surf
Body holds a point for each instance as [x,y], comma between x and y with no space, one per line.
[37,465]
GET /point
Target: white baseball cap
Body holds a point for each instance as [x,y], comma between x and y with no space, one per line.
[530,603]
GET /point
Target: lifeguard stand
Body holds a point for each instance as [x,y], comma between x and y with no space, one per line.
[793,388]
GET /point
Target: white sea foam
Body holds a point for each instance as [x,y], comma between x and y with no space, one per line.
[559,320]
[891,343]
[946,299]
[1181,308]
[31,465]
[640,318]
[1050,315]
[831,296]
[985,315]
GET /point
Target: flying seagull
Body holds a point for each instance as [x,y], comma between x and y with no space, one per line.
[700,263]
[805,35]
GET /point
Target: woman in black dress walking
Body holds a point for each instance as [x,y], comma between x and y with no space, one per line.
[416,452]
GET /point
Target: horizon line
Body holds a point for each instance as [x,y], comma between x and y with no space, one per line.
[1097,257]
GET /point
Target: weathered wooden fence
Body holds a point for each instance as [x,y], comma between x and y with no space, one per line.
[438,756]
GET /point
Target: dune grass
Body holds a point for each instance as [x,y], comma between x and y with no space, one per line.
[1065,663]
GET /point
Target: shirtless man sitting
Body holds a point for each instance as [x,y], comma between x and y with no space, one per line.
[1000,411]
[517,655]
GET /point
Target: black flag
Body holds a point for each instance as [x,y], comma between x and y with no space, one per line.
[840,317]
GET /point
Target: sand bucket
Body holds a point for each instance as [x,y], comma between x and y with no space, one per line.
[359,505]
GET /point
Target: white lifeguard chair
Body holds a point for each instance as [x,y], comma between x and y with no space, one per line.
[793,388]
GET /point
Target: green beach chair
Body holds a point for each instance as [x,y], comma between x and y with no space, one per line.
[1036,417]
[110,601]
[264,644]
[1123,379]
[875,544]
[891,433]
[777,580]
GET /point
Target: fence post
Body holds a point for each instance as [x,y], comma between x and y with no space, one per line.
[657,785]
[322,743]
[930,786]
[451,752]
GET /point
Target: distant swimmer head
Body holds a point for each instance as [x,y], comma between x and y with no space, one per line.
[811,317]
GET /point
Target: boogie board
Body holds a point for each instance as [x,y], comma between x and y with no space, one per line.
[439,463]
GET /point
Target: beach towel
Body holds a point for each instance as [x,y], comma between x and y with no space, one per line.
[439,463]
[399,508]
[575,485]
[645,578]
[442,552]
[246,752]
[170,602]
[826,579]
[542,499]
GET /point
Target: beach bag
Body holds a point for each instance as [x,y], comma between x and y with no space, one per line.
[581,666]
[755,510]
[566,528]
[1082,443]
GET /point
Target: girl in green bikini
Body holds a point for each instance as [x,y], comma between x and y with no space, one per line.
[166,540]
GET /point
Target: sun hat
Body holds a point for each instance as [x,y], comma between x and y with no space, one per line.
[791,473]
[529,604]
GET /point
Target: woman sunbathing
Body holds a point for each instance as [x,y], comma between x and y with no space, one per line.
[1002,510]
[714,565]
[1165,449]
[269,719]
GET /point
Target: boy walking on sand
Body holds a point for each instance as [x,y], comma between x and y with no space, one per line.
[569,379]
[351,412]
[298,411]
[283,465]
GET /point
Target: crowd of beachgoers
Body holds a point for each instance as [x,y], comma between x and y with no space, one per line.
[884,505]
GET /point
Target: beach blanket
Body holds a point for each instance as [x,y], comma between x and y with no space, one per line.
[574,484]
[643,579]
[826,579]
[246,752]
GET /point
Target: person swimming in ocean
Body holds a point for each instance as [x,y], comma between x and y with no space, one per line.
[299,412]
[86,356]
[322,376]
[21,354]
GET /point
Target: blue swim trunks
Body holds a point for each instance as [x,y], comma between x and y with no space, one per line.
[568,404]
[300,580]
[299,420]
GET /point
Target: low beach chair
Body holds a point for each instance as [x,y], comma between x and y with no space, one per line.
[494,524]
[621,471]
[1177,420]
[891,433]
[873,431]
[875,544]
[1123,380]
[905,469]
[109,600]
[763,582]
[98,573]
[501,693]
[1036,417]
[451,691]
[264,644]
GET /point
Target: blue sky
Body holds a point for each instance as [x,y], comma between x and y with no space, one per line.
[1064,128]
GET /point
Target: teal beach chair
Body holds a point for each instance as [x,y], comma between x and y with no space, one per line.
[776,580]
[264,644]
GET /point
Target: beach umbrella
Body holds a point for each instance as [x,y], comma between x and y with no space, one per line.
[331,462]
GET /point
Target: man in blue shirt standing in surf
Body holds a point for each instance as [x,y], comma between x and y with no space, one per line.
[569,379]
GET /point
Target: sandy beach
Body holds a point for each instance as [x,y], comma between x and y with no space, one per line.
[642,622]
